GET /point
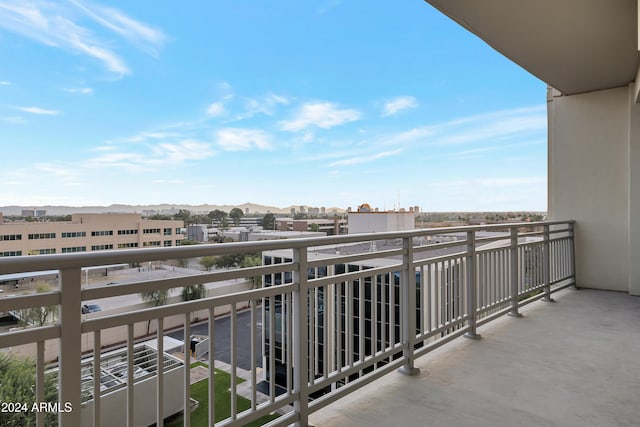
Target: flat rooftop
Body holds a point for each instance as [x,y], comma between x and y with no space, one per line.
[575,362]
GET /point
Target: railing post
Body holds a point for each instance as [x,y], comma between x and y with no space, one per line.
[408,308]
[546,266]
[301,338]
[69,382]
[472,286]
[513,273]
[572,250]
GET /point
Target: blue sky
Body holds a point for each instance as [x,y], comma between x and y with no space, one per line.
[323,103]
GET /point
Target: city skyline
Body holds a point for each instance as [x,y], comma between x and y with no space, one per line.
[325,103]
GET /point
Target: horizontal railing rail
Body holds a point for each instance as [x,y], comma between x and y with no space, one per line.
[331,315]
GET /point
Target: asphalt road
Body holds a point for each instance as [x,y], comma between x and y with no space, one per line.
[222,338]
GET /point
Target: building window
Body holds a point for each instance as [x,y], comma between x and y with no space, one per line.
[42,236]
[151,231]
[167,231]
[101,247]
[167,243]
[11,253]
[74,249]
[68,234]
[11,237]
[154,243]
[127,245]
[42,251]
[122,232]
[178,242]
[102,233]
[177,231]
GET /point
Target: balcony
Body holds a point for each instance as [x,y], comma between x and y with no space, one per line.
[341,315]
[570,363]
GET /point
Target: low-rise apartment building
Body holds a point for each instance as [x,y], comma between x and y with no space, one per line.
[87,233]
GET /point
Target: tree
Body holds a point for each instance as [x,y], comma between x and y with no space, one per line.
[156,298]
[236,214]
[269,221]
[18,377]
[193,292]
[159,217]
[253,260]
[208,261]
[184,215]
[219,217]
[187,242]
[39,315]
[314,227]
[229,261]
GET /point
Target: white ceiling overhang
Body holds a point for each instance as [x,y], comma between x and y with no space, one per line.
[575,46]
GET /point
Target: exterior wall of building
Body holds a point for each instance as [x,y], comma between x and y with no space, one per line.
[112,412]
[337,308]
[329,226]
[87,233]
[634,192]
[377,222]
[594,166]
[197,232]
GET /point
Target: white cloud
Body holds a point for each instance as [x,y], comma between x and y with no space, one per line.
[485,149]
[490,127]
[56,25]
[80,90]
[14,119]
[169,181]
[216,109]
[365,159]
[143,136]
[393,106]
[235,139]
[5,83]
[327,6]
[38,110]
[146,37]
[153,156]
[263,105]
[490,182]
[324,115]
[181,152]
[488,193]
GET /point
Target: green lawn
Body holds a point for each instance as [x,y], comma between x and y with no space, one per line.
[200,392]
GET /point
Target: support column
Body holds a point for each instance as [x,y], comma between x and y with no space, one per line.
[472,286]
[301,338]
[513,273]
[546,266]
[408,307]
[69,381]
[634,191]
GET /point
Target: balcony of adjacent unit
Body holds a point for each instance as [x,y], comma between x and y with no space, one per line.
[454,325]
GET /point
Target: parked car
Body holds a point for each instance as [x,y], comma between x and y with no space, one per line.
[90,308]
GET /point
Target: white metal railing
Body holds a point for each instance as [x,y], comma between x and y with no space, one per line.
[334,313]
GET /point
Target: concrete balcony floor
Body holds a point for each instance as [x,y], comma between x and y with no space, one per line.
[575,362]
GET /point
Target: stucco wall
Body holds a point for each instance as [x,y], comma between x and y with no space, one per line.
[589,182]
[634,192]
[379,222]
[117,335]
[113,405]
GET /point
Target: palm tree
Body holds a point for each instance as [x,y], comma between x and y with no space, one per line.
[193,292]
[156,298]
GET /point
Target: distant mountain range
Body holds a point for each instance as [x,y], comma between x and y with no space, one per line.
[66,210]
